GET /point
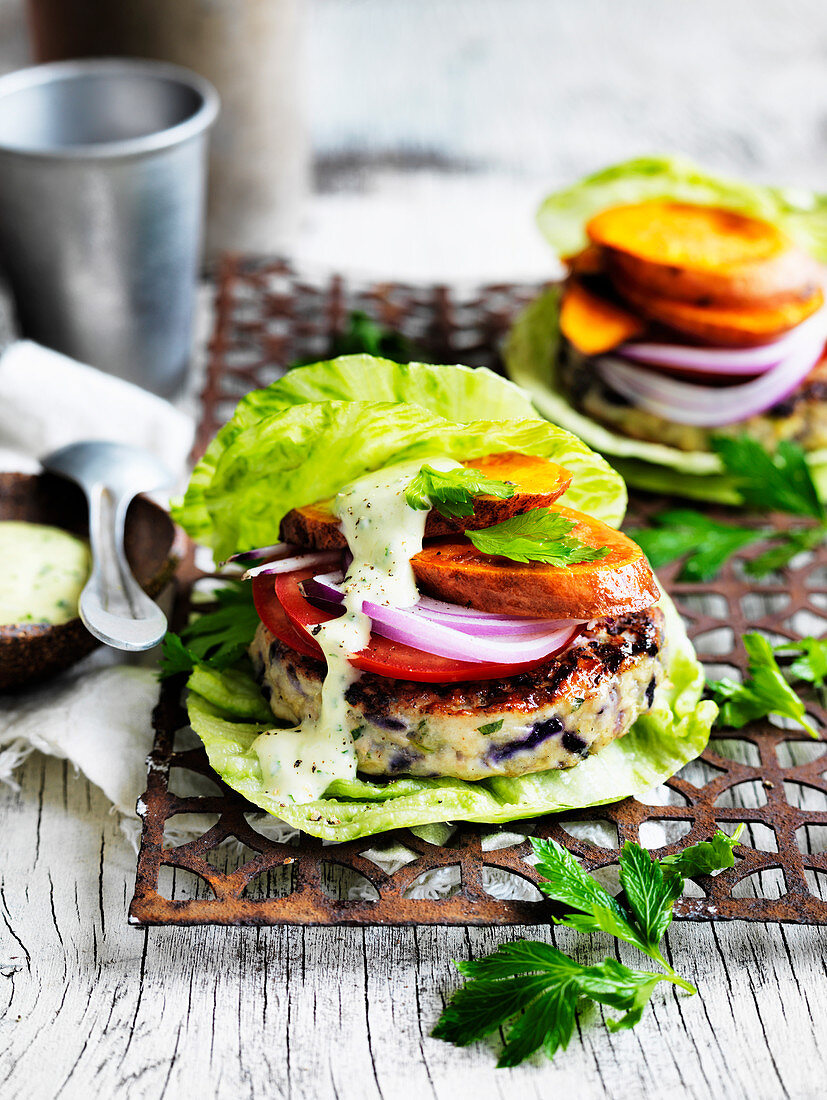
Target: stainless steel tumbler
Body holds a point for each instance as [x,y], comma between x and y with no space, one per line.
[102,179]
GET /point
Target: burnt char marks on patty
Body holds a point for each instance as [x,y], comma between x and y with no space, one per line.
[609,645]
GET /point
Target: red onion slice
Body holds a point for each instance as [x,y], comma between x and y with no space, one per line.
[264,553]
[709,406]
[401,625]
[290,565]
[476,623]
[442,607]
[727,360]
[490,627]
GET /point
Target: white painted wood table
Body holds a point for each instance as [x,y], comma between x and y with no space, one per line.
[100,1009]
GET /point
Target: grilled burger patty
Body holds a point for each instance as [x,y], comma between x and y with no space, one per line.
[801,417]
[552,717]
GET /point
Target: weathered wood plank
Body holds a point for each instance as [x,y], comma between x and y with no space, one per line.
[100,1008]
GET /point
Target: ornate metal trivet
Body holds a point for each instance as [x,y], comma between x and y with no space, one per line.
[771,778]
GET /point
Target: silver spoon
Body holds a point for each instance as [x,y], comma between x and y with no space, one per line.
[113,606]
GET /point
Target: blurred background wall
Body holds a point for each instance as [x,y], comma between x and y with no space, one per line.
[554,87]
[404,96]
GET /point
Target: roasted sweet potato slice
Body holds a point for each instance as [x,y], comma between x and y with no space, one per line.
[725,327]
[791,276]
[539,483]
[594,324]
[591,260]
[621,582]
[699,238]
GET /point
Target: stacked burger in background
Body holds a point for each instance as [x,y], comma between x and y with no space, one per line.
[692,308]
[681,320]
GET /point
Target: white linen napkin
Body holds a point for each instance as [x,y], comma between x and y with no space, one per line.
[48,400]
[97,714]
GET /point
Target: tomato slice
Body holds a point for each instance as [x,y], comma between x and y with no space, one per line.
[289,616]
[274,618]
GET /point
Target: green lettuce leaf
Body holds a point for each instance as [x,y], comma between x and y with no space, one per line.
[671,734]
[562,217]
[456,393]
[530,356]
[307,452]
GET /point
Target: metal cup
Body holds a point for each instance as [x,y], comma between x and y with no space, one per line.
[102,179]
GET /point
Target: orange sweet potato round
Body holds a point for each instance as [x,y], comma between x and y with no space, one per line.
[725,326]
[790,276]
[700,238]
[539,483]
[594,324]
[621,582]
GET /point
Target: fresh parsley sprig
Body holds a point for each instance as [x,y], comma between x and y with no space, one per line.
[538,535]
[765,691]
[650,895]
[704,543]
[771,482]
[788,545]
[452,492]
[363,335]
[218,638]
[705,857]
[534,991]
[810,660]
[779,482]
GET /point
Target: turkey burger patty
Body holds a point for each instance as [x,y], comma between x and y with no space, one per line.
[551,717]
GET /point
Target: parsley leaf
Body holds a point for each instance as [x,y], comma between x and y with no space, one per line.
[217,638]
[363,335]
[683,531]
[790,543]
[771,482]
[811,662]
[612,983]
[533,991]
[452,492]
[780,481]
[650,894]
[705,857]
[175,657]
[545,985]
[491,727]
[538,535]
[764,692]
[568,882]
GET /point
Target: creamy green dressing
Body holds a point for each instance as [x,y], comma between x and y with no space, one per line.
[42,572]
[383,533]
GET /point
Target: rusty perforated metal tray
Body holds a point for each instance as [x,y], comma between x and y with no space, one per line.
[769,777]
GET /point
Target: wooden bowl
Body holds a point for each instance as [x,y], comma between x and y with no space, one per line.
[33,652]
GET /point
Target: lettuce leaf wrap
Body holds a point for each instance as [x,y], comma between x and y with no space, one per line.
[301,440]
[531,348]
[661,741]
